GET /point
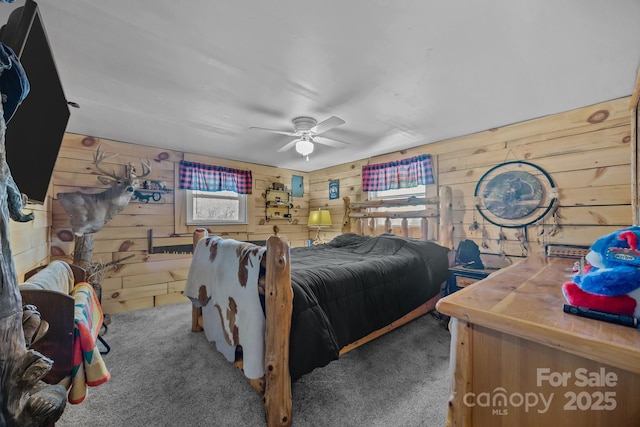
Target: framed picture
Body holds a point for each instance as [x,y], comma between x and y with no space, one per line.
[515,194]
[334,189]
[297,188]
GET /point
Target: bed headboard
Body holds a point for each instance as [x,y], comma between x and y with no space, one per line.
[359,219]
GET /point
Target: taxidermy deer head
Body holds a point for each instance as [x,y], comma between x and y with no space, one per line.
[90,212]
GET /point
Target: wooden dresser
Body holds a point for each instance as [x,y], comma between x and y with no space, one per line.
[519,360]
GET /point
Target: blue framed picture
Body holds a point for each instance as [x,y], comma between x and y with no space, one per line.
[334,189]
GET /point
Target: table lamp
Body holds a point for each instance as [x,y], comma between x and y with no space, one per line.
[319,219]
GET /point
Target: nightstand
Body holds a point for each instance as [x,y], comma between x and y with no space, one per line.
[462,277]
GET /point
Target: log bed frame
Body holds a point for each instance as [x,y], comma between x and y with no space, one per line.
[275,386]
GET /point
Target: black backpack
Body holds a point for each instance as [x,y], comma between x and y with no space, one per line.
[468,255]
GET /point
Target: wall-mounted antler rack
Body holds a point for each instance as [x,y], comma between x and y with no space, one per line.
[168,249]
[187,248]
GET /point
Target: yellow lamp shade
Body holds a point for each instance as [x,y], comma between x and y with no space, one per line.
[319,218]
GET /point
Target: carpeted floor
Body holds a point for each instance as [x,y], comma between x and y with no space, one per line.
[162,374]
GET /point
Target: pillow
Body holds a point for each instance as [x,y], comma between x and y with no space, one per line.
[385,244]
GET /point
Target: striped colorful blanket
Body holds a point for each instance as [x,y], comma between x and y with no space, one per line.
[89,368]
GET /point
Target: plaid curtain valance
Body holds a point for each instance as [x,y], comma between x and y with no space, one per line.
[198,176]
[404,173]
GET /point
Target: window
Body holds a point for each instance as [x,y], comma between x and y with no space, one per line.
[215,194]
[216,208]
[400,193]
[398,180]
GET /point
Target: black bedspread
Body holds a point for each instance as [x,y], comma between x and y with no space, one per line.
[354,285]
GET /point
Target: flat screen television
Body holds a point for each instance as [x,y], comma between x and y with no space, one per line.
[34,133]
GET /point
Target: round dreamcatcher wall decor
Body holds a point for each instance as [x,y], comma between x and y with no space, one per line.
[515,194]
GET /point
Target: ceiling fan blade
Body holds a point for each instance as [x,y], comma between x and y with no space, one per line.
[330,123]
[288,145]
[330,142]
[273,131]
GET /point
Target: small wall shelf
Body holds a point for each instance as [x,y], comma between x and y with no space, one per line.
[151,190]
[277,204]
[146,196]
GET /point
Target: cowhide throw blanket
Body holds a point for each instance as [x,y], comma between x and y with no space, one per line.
[223,280]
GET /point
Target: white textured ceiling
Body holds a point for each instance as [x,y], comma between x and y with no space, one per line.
[195,75]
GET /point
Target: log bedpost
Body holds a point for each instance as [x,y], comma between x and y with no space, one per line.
[445,233]
[346,220]
[279,306]
[196,312]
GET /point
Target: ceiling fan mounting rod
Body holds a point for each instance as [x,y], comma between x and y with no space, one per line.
[303,124]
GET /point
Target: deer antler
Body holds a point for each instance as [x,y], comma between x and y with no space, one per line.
[98,157]
[130,171]
[146,169]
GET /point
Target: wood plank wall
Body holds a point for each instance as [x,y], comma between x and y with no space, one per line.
[586,151]
[146,280]
[635,151]
[30,240]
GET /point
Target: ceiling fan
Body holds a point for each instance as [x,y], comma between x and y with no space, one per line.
[308,131]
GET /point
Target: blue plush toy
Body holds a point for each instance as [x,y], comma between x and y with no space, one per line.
[611,281]
[616,264]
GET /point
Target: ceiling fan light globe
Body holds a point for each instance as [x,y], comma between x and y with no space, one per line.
[304,147]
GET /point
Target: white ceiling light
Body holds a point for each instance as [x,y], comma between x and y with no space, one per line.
[304,147]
